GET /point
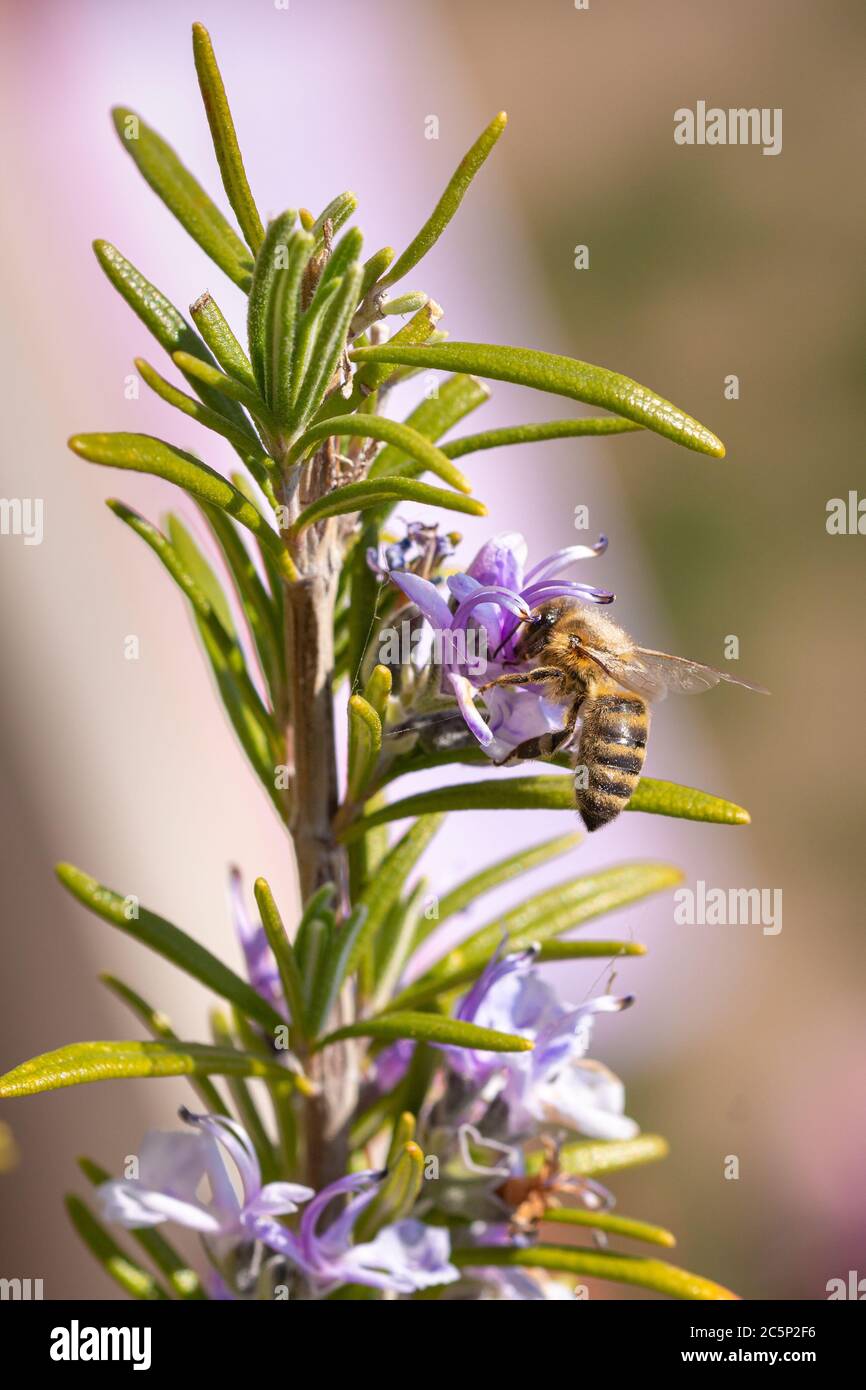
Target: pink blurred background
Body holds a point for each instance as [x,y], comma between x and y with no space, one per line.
[703,262]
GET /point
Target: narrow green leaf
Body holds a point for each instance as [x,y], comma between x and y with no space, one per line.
[596,1264]
[393,946]
[213,327]
[457,397]
[448,203]
[184,1281]
[284,955]
[378,689]
[159,1026]
[256,601]
[365,744]
[356,497]
[404,1132]
[534,434]
[134,1280]
[435,1028]
[380,895]
[333,969]
[565,376]
[272,255]
[401,436]
[397,1194]
[338,211]
[598,1156]
[231,387]
[211,419]
[245,1107]
[194,577]
[166,323]
[375,266]
[372,375]
[225,140]
[558,910]
[183,195]
[550,793]
[80,1063]
[417,996]
[523,862]
[143,453]
[283,313]
[330,343]
[611,1225]
[168,941]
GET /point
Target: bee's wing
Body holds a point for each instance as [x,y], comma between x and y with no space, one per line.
[655,674]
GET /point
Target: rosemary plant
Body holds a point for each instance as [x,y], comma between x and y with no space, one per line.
[432,1115]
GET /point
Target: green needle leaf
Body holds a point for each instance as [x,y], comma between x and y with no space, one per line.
[373,374]
[159,1026]
[243,440]
[588,1159]
[80,1063]
[225,140]
[598,1264]
[558,910]
[184,1281]
[448,203]
[356,497]
[183,195]
[338,211]
[278,940]
[613,1225]
[534,434]
[229,386]
[168,941]
[396,1196]
[466,893]
[365,744]
[565,376]
[332,326]
[374,267]
[400,436]
[272,255]
[143,453]
[165,322]
[550,793]
[383,891]
[283,313]
[209,320]
[134,1280]
[333,969]
[416,996]
[458,396]
[435,1028]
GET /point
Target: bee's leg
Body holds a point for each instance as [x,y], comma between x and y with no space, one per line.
[534,677]
[545,745]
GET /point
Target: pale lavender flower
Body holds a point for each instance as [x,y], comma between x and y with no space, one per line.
[171,1168]
[492,598]
[401,1258]
[556,1084]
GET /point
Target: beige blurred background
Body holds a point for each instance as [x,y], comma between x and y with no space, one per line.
[703,262]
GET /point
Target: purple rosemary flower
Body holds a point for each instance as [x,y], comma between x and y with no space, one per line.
[489,602]
[401,1258]
[171,1167]
[556,1084]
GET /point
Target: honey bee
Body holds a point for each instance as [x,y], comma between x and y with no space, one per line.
[588,663]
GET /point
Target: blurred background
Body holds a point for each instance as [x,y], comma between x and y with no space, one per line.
[704,262]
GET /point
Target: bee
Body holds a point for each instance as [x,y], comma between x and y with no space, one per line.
[588,663]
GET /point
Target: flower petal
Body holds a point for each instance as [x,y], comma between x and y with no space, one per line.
[464,693]
[561,559]
[131,1204]
[501,560]
[425,596]
[403,1257]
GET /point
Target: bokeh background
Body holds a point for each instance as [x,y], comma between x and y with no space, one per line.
[703,262]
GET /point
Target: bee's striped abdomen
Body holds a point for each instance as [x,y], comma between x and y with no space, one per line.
[610,755]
